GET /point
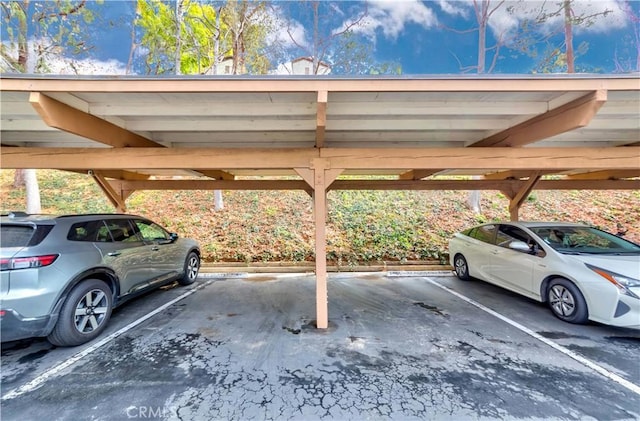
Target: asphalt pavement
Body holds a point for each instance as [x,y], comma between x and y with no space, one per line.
[399,347]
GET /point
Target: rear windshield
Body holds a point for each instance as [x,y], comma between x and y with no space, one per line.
[15,235]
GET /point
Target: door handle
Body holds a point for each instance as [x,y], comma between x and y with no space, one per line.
[155,248]
[114,253]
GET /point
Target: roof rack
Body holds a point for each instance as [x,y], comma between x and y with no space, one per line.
[15,214]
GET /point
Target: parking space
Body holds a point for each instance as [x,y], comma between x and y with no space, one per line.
[397,347]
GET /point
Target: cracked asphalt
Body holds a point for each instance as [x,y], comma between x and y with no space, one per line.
[397,348]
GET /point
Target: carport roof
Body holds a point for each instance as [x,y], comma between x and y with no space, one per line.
[502,127]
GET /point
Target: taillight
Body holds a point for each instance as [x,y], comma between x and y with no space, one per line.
[28,262]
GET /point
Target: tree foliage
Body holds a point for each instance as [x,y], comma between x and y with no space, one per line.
[190,37]
[40,33]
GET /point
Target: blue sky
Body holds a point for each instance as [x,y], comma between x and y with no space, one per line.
[422,36]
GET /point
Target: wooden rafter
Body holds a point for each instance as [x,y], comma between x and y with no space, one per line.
[573,115]
[63,117]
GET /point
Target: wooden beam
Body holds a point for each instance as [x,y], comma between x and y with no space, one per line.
[483,158]
[321,118]
[114,174]
[215,185]
[116,200]
[61,116]
[353,159]
[606,174]
[575,114]
[218,174]
[516,200]
[156,158]
[417,174]
[516,175]
[499,185]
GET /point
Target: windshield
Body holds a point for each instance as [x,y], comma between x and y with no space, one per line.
[590,240]
[16,235]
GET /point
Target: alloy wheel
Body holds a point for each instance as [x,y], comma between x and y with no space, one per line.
[562,301]
[91,311]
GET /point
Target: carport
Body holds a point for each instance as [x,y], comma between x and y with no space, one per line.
[506,133]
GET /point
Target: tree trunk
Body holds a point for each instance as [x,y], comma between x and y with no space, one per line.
[218,202]
[18,179]
[32,191]
[568,36]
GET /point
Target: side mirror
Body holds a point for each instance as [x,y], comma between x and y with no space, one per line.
[520,246]
[173,236]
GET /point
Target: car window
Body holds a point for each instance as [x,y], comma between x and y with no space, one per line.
[151,231]
[484,233]
[16,235]
[508,234]
[121,231]
[88,231]
[572,239]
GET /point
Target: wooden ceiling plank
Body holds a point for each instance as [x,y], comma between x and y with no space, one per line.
[63,117]
[573,115]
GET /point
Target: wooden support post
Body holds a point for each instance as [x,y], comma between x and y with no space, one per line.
[516,200]
[320,176]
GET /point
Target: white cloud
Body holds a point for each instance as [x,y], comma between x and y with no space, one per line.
[392,17]
[454,7]
[286,30]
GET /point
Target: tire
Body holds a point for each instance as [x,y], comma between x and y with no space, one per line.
[566,301]
[191,269]
[461,267]
[84,314]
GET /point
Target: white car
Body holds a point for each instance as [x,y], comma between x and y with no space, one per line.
[583,273]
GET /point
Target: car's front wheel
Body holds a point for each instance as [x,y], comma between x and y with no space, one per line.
[191,269]
[84,314]
[461,267]
[566,301]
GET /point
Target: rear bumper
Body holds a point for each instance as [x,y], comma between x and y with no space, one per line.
[13,326]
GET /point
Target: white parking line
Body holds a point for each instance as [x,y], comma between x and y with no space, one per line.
[52,372]
[608,374]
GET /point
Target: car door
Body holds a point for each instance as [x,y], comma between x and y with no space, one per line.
[127,254]
[513,269]
[478,251]
[167,256]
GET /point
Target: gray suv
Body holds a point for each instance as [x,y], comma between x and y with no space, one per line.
[62,275]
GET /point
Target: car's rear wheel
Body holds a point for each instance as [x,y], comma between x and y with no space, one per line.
[191,269]
[566,301]
[84,314]
[461,267]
